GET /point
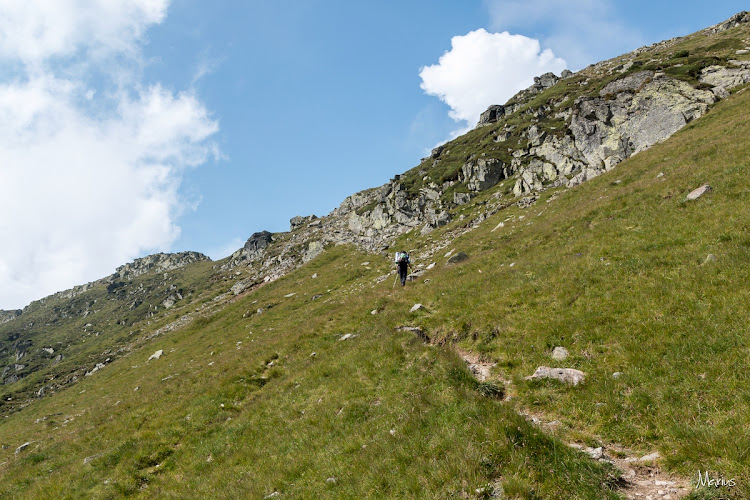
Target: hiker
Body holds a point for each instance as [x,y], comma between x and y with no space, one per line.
[402,261]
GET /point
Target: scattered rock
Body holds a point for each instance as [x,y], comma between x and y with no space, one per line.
[617,375]
[348,336]
[156,355]
[568,375]
[431,265]
[461,198]
[595,453]
[650,457]
[416,331]
[709,258]
[314,275]
[314,248]
[501,224]
[23,446]
[559,353]
[96,368]
[331,480]
[459,257]
[417,307]
[697,193]
[88,460]
[374,312]
[290,295]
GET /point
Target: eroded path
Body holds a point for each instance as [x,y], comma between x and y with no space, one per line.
[642,478]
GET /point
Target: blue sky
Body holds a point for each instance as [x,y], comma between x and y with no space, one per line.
[147,125]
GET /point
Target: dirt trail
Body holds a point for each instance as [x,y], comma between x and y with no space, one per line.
[642,478]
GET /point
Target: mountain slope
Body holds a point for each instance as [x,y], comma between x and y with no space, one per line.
[272,380]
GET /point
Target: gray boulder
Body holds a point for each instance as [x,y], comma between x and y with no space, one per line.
[299,221]
[459,257]
[258,241]
[697,193]
[559,353]
[483,173]
[569,376]
[491,115]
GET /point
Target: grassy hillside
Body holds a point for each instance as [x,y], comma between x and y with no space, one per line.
[241,407]
[309,387]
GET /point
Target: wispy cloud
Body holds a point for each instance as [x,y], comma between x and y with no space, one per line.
[91,158]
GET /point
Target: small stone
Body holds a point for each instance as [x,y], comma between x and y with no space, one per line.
[331,480]
[650,457]
[314,275]
[158,354]
[417,307]
[23,447]
[742,52]
[374,312]
[697,193]
[559,353]
[275,494]
[449,253]
[661,174]
[431,265]
[459,257]
[502,224]
[348,336]
[568,375]
[290,295]
[595,453]
[88,460]
[393,432]
[617,375]
[365,263]
[709,258]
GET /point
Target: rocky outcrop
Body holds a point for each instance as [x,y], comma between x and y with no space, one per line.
[299,221]
[158,263]
[6,316]
[632,114]
[492,115]
[483,173]
[252,251]
[734,21]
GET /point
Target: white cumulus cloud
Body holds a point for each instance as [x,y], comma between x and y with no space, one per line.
[581,31]
[90,167]
[486,68]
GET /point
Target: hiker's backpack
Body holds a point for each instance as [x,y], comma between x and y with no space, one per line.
[402,257]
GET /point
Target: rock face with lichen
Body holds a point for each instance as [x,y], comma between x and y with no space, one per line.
[567,139]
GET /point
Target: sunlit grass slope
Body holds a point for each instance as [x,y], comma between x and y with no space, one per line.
[240,407]
[617,271]
[244,403]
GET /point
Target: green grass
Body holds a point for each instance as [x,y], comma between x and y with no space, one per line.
[242,405]
[239,407]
